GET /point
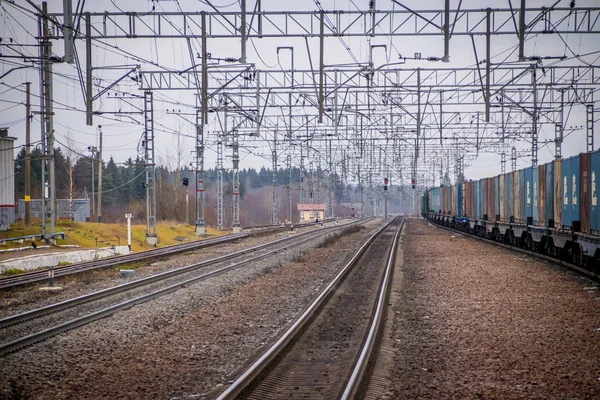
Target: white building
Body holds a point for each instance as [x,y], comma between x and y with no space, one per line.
[7,179]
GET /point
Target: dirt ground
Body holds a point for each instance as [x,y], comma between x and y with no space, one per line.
[474,321]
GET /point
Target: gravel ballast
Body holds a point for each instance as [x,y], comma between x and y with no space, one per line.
[475,321]
[181,345]
[25,298]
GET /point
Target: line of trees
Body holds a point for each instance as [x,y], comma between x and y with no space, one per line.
[123,188]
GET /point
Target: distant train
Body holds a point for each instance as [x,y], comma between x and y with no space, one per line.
[552,209]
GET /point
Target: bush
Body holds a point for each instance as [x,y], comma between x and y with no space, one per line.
[12,271]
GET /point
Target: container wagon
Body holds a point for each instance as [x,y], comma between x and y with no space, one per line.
[551,208]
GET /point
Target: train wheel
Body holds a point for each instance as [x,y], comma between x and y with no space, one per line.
[576,255]
[528,243]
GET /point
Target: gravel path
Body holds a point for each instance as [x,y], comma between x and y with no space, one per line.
[474,321]
[183,344]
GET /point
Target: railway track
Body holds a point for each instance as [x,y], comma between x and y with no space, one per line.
[25,329]
[325,353]
[11,281]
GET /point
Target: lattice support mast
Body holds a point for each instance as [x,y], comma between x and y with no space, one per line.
[200,195]
[151,236]
[236,182]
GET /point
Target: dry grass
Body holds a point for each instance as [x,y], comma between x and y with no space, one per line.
[334,237]
[92,235]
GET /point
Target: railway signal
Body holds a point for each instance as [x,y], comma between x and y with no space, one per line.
[385,183]
[413,183]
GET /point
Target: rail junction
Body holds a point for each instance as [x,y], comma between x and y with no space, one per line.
[337,116]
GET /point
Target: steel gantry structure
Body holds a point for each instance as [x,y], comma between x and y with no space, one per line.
[359,121]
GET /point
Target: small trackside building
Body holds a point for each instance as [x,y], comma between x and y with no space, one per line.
[311,212]
[7,180]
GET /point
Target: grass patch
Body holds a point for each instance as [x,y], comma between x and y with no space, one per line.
[91,235]
[135,265]
[63,263]
[12,271]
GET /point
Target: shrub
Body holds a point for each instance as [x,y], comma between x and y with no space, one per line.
[12,271]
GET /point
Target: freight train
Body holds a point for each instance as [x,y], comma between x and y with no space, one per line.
[551,209]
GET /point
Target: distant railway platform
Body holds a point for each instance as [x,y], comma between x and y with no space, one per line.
[473,320]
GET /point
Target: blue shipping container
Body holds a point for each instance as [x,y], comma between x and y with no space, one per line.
[523,194]
[436,197]
[549,192]
[459,200]
[482,204]
[508,195]
[570,180]
[594,180]
[535,191]
[529,193]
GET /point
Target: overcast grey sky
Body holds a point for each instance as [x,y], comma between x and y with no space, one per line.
[122,135]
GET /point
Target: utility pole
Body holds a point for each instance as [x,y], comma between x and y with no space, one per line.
[221,137]
[289,187]
[362,194]
[236,183]
[513,158]
[331,197]
[187,204]
[534,118]
[522,31]
[488,63]
[89,116]
[201,116]
[27,153]
[321,66]
[243,32]
[589,108]
[310,190]
[275,205]
[47,125]
[92,149]
[100,174]
[200,202]
[301,210]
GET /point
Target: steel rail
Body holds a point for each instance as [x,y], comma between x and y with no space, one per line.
[357,375]
[256,369]
[568,265]
[36,313]
[36,276]
[42,275]
[39,336]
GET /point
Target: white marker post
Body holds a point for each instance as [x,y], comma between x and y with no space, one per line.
[128,216]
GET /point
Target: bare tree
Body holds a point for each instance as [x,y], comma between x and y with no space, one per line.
[72,155]
[179,154]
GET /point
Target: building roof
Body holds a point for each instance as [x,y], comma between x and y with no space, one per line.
[4,134]
[311,207]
